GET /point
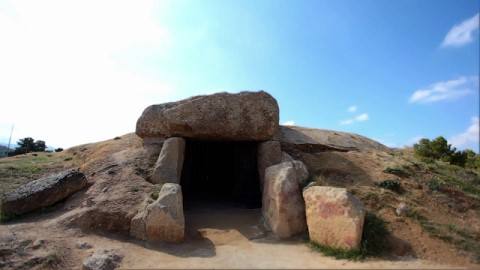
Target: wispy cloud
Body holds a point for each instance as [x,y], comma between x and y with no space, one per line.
[352,109]
[359,118]
[445,90]
[462,33]
[468,138]
[289,123]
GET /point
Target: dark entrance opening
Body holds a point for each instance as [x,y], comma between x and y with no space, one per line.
[220,173]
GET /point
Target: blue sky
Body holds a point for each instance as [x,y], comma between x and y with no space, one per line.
[390,70]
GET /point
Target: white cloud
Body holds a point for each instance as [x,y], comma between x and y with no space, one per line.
[352,109]
[445,90]
[362,117]
[289,123]
[359,118]
[468,138]
[67,67]
[462,33]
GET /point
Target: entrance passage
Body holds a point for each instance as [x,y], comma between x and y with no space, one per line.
[220,173]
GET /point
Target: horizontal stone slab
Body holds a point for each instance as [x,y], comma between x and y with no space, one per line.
[223,116]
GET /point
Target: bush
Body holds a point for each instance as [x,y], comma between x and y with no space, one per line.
[391,185]
[397,171]
[439,149]
[59,149]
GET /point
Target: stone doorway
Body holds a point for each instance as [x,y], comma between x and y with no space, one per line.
[220,174]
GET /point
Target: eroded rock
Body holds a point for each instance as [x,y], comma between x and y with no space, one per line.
[104,259]
[283,207]
[42,192]
[222,116]
[335,217]
[163,219]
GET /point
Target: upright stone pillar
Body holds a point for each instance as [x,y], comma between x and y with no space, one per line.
[168,168]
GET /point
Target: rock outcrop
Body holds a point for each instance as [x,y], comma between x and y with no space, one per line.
[42,192]
[334,217]
[103,259]
[162,220]
[283,207]
[244,116]
[168,168]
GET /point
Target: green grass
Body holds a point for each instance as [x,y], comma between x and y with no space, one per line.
[373,242]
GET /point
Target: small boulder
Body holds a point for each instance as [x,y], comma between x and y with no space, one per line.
[334,217]
[103,260]
[168,168]
[83,245]
[245,116]
[42,192]
[283,207]
[402,209]
[164,219]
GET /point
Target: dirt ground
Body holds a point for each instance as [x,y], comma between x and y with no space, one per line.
[216,238]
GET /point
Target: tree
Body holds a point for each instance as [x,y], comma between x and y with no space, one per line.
[39,146]
[25,145]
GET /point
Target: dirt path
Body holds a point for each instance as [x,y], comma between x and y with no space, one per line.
[221,238]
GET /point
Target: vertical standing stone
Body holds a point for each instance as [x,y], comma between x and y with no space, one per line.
[168,168]
[269,153]
[282,206]
[334,217]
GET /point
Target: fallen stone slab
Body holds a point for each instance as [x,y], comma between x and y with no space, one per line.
[334,217]
[41,193]
[244,116]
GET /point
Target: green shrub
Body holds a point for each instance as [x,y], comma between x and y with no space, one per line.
[434,184]
[391,185]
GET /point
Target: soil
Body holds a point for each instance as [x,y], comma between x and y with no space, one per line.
[216,238]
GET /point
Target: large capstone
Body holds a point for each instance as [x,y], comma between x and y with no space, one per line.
[244,116]
[42,192]
[334,217]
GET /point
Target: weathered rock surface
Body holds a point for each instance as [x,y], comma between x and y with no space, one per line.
[301,172]
[311,140]
[334,217]
[269,153]
[162,220]
[283,207]
[168,168]
[42,192]
[221,116]
[103,260]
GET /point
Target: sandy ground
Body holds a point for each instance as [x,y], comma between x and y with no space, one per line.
[216,238]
